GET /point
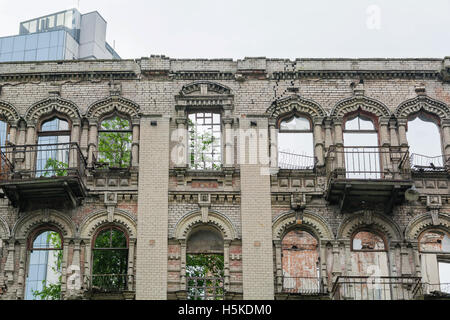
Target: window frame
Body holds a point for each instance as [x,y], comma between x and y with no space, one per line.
[375,232]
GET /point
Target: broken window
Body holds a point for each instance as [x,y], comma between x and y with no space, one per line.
[205,264]
[300,261]
[361,152]
[369,259]
[44,268]
[435,241]
[114,142]
[296,143]
[110,261]
[424,141]
[444,276]
[53,148]
[205,141]
[5,156]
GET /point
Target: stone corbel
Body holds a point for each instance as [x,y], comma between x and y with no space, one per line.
[434,205]
[204,202]
[115,89]
[298,204]
[9,265]
[111,204]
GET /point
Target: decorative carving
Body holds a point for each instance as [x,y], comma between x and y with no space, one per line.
[422,102]
[111,104]
[205,87]
[356,102]
[98,218]
[295,103]
[9,112]
[361,219]
[193,219]
[52,104]
[425,221]
[311,221]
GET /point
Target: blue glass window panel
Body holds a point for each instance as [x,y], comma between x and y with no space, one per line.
[44,40]
[6,57]
[30,55]
[42,54]
[61,38]
[54,39]
[53,53]
[1,42]
[19,43]
[7,45]
[32,41]
[60,53]
[17,56]
[3,132]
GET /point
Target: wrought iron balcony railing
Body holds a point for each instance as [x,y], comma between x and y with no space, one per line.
[41,161]
[440,288]
[303,285]
[205,288]
[424,163]
[368,163]
[109,283]
[293,161]
[376,288]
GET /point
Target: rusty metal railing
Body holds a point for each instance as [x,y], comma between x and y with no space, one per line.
[303,285]
[376,288]
[293,161]
[205,288]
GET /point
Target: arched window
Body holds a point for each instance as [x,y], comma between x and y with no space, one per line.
[435,260]
[44,267]
[4,132]
[424,141]
[296,143]
[53,148]
[114,142]
[362,155]
[369,258]
[110,260]
[205,132]
[4,161]
[205,264]
[300,262]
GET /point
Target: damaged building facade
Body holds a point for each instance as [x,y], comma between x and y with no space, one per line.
[259,178]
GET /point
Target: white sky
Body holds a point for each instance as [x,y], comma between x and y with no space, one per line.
[248,28]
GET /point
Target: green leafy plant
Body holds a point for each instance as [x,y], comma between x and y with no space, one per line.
[114,146]
[56,168]
[205,273]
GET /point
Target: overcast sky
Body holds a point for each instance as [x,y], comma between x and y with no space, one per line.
[248,28]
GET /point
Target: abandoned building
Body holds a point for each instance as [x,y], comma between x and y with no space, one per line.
[161,178]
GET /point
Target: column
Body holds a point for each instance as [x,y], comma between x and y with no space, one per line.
[318,141]
[153,203]
[130,271]
[256,218]
[22,268]
[226,263]
[339,143]
[228,155]
[30,140]
[74,152]
[279,266]
[273,133]
[87,258]
[445,126]
[385,144]
[92,142]
[135,123]
[183,265]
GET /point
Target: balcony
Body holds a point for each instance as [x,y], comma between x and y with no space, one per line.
[36,175]
[359,176]
[421,163]
[110,287]
[377,288]
[292,161]
[301,287]
[439,291]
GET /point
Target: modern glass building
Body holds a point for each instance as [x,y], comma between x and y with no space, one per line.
[66,35]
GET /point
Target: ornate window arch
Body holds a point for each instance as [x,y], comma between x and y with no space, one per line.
[357,102]
[203,124]
[51,106]
[9,118]
[422,102]
[115,118]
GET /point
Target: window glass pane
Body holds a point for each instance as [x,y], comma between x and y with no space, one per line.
[42,54]
[69,19]
[30,55]
[44,40]
[51,22]
[296,123]
[46,240]
[17,56]
[7,45]
[33,26]
[32,40]
[19,43]
[55,125]
[60,19]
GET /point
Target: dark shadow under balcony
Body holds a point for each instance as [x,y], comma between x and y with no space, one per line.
[35,176]
[359,176]
[377,288]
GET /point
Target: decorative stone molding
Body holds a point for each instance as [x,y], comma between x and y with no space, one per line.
[356,102]
[295,103]
[5,234]
[204,88]
[111,104]
[52,104]
[95,220]
[425,221]
[311,222]
[8,111]
[422,102]
[193,219]
[371,220]
[35,219]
